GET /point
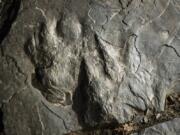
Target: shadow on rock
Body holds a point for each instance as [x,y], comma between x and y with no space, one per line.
[8,15]
[80,97]
[1,123]
[88,106]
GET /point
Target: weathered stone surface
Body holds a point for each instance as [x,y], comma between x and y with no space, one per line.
[166,128]
[68,65]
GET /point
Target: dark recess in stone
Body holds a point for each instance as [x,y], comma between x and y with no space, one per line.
[1,123]
[36,82]
[80,103]
[80,96]
[39,74]
[8,15]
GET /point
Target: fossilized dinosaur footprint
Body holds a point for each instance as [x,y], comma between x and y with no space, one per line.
[56,61]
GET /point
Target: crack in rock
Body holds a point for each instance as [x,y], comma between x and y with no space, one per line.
[174,49]
[40,120]
[137,52]
[57,115]
[13,96]
[16,64]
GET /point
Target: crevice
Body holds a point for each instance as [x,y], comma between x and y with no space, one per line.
[174,49]
[16,64]
[80,97]
[138,110]
[7,16]
[120,1]
[124,22]
[139,54]
[2,131]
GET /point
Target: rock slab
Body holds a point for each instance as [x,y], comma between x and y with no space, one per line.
[71,65]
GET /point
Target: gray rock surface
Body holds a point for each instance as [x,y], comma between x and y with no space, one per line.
[165,128]
[68,65]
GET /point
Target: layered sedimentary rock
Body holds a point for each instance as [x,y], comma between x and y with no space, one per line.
[68,65]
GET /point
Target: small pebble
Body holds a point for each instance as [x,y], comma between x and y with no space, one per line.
[158,116]
[145,119]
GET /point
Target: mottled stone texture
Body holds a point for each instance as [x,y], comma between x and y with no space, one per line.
[68,65]
[165,128]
